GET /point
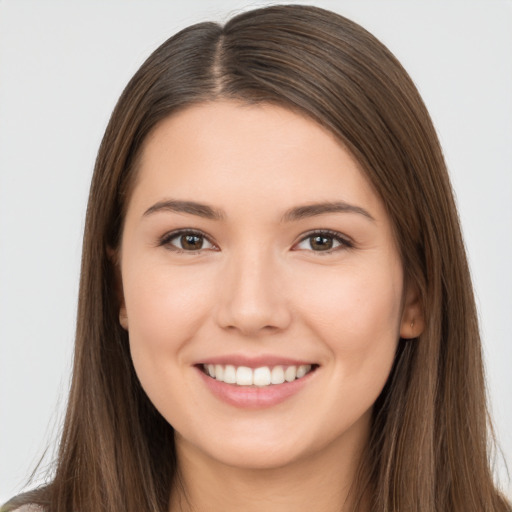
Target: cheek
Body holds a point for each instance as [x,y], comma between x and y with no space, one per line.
[164,309]
[356,312]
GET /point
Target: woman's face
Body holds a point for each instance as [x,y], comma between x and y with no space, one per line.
[254,251]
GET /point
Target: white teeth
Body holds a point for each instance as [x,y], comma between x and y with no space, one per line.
[229,374]
[262,376]
[277,375]
[243,376]
[290,373]
[219,372]
[302,370]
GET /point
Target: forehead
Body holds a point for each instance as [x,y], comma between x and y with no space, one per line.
[242,154]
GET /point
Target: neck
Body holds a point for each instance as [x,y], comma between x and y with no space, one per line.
[313,482]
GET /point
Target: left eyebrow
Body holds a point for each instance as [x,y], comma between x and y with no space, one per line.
[293,214]
[310,210]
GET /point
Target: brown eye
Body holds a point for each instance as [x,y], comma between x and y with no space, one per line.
[186,241]
[321,243]
[324,241]
[191,242]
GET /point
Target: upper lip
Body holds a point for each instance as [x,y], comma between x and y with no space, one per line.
[254,362]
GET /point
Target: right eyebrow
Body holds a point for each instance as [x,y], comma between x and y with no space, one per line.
[191,207]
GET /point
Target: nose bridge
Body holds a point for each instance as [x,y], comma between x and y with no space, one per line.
[252,297]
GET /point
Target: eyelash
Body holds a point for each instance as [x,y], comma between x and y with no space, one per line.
[344,242]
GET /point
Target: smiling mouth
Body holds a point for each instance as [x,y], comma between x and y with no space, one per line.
[260,377]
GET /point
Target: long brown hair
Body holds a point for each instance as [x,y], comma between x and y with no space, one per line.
[429,444]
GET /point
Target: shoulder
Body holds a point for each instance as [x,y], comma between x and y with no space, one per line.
[29,508]
[25,508]
[34,500]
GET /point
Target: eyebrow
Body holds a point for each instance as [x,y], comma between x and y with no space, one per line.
[191,207]
[293,214]
[310,210]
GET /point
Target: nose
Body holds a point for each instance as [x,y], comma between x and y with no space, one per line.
[252,300]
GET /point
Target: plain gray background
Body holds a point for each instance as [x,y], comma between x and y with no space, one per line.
[63,65]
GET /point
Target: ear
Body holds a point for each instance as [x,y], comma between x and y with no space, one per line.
[123,317]
[114,259]
[413,320]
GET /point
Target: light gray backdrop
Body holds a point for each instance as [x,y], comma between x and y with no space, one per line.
[62,66]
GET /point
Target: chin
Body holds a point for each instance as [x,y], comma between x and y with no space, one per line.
[270,446]
[256,457]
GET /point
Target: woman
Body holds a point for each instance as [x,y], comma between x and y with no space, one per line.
[275,307]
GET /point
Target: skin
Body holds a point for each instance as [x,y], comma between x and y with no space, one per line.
[260,286]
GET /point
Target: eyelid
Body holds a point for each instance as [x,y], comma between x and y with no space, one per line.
[344,241]
[166,239]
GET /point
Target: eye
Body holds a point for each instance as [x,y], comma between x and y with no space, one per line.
[186,241]
[325,241]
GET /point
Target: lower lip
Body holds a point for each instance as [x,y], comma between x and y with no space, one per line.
[253,397]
